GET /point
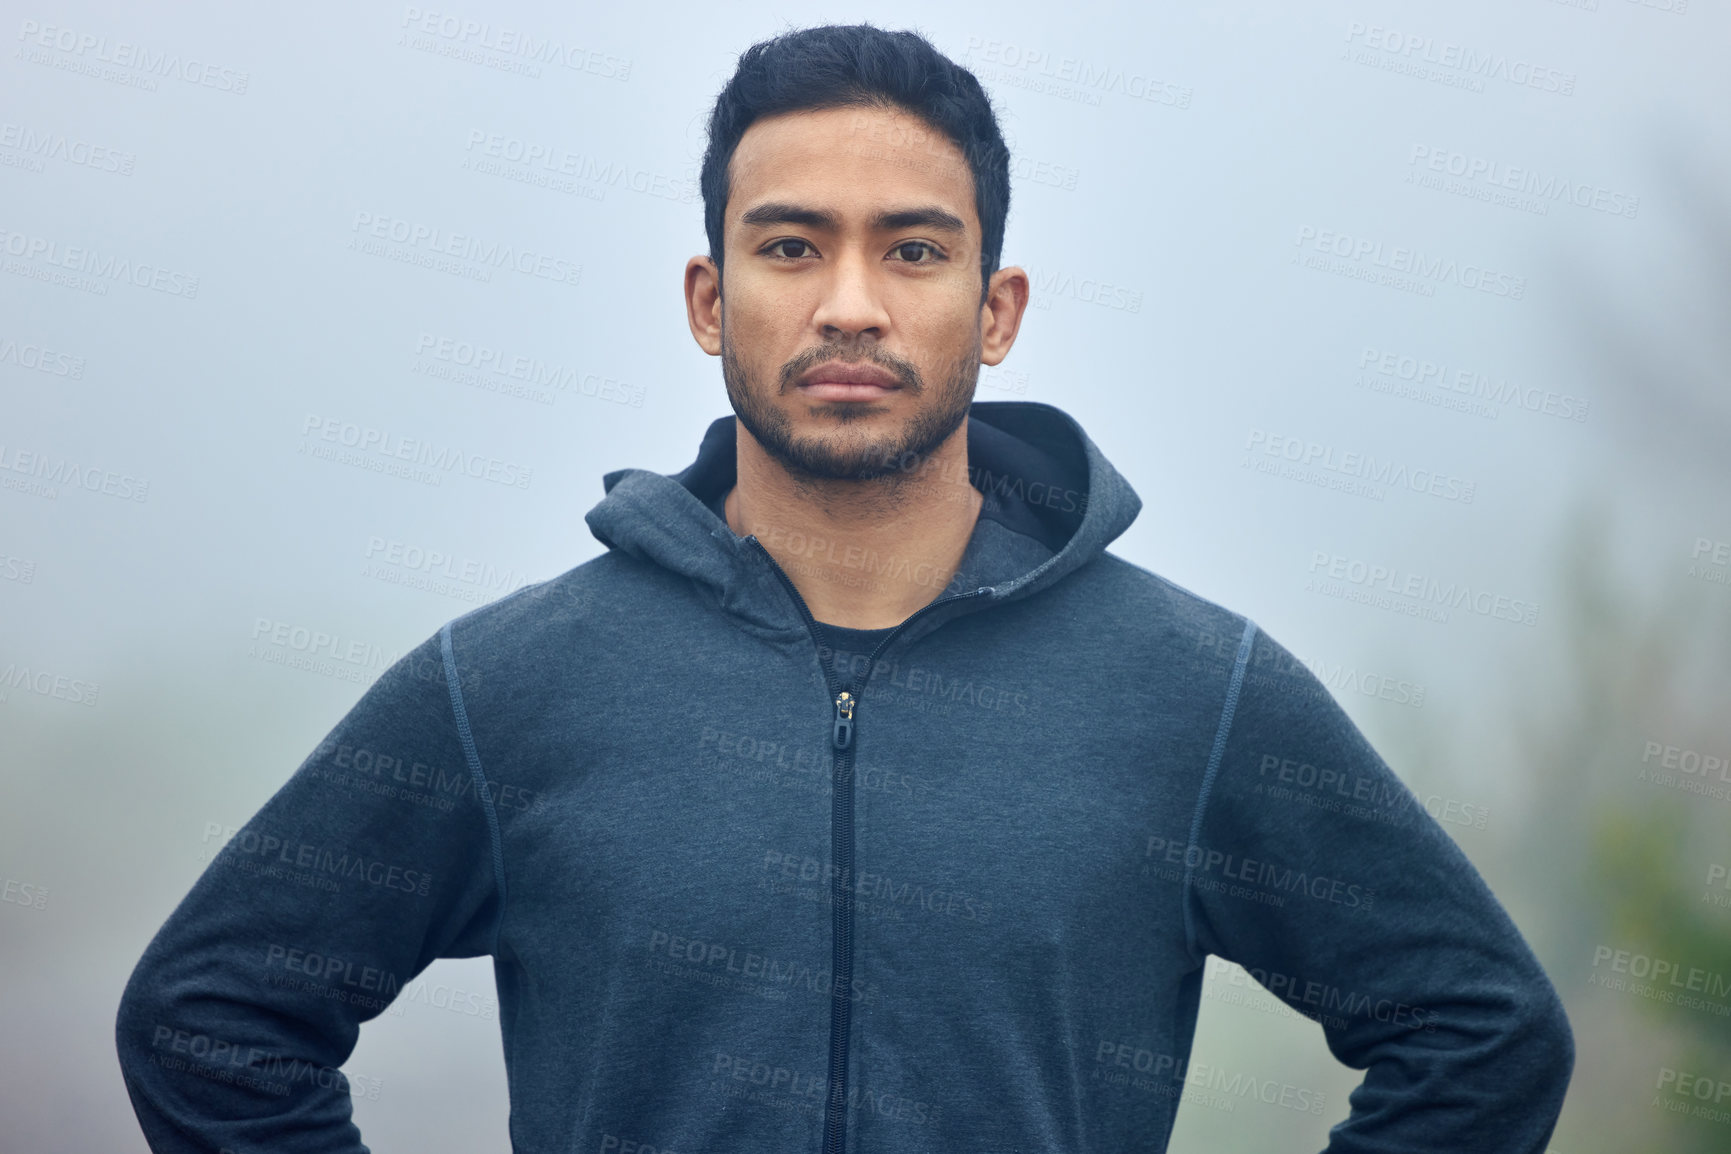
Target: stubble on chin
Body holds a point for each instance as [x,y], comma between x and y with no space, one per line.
[893,458]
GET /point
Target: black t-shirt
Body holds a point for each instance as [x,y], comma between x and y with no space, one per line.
[846,644]
[850,647]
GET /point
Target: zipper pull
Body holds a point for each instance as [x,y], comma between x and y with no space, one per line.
[843,732]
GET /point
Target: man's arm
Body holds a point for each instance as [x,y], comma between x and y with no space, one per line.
[1318,871]
[374,859]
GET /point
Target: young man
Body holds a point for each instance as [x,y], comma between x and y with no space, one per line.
[856,799]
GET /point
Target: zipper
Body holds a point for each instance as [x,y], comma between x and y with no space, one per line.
[842,733]
[842,726]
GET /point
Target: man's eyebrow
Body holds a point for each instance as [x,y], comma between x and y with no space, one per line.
[780,213]
[925,216]
[929,216]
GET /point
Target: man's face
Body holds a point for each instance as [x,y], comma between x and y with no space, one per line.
[851,306]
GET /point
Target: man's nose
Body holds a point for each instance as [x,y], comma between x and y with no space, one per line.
[852,303]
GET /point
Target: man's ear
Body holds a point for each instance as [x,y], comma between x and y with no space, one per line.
[703,303]
[1001,313]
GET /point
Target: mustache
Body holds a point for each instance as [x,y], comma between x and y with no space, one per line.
[905,372]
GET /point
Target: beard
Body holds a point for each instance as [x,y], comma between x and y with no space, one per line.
[861,458]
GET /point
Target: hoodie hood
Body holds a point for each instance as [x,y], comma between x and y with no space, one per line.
[1052,504]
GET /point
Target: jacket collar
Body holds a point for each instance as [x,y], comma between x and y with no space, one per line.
[1052,504]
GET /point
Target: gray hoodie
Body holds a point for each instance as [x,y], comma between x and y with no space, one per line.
[745,892]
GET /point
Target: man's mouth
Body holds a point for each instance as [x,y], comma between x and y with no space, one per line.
[847,381]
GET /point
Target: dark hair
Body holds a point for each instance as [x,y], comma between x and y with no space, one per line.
[840,66]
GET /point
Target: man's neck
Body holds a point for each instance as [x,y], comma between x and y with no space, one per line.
[863,554]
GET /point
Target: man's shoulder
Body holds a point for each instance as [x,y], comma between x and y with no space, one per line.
[551,606]
[1139,599]
[1209,639]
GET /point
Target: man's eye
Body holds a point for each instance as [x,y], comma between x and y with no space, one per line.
[911,251]
[792,249]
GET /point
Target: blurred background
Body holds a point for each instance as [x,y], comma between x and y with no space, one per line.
[1408,321]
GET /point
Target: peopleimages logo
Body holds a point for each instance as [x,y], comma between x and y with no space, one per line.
[1703,1088]
[49,473]
[730,965]
[1661,973]
[1422,595]
[1485,179]
[1408,268]
[14,568]
[460,35]
[1350,678]
[1048,283]
[332,971]
[1471,386]
[1320,1001]
[1362,467]
[40,145]
[1718,876]
[1710,561]
[553,160]
[17,893]
[1216,1085]
[1263,877]
[46,683]
[41,359]
[323,862]
[383,451]
[318,651]
[337,648]
[436,571]
[429,242]
[1689,770]
[89,51]
[531,378]
[1448,62]
[879,887]
[1069,77]
[89,270]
